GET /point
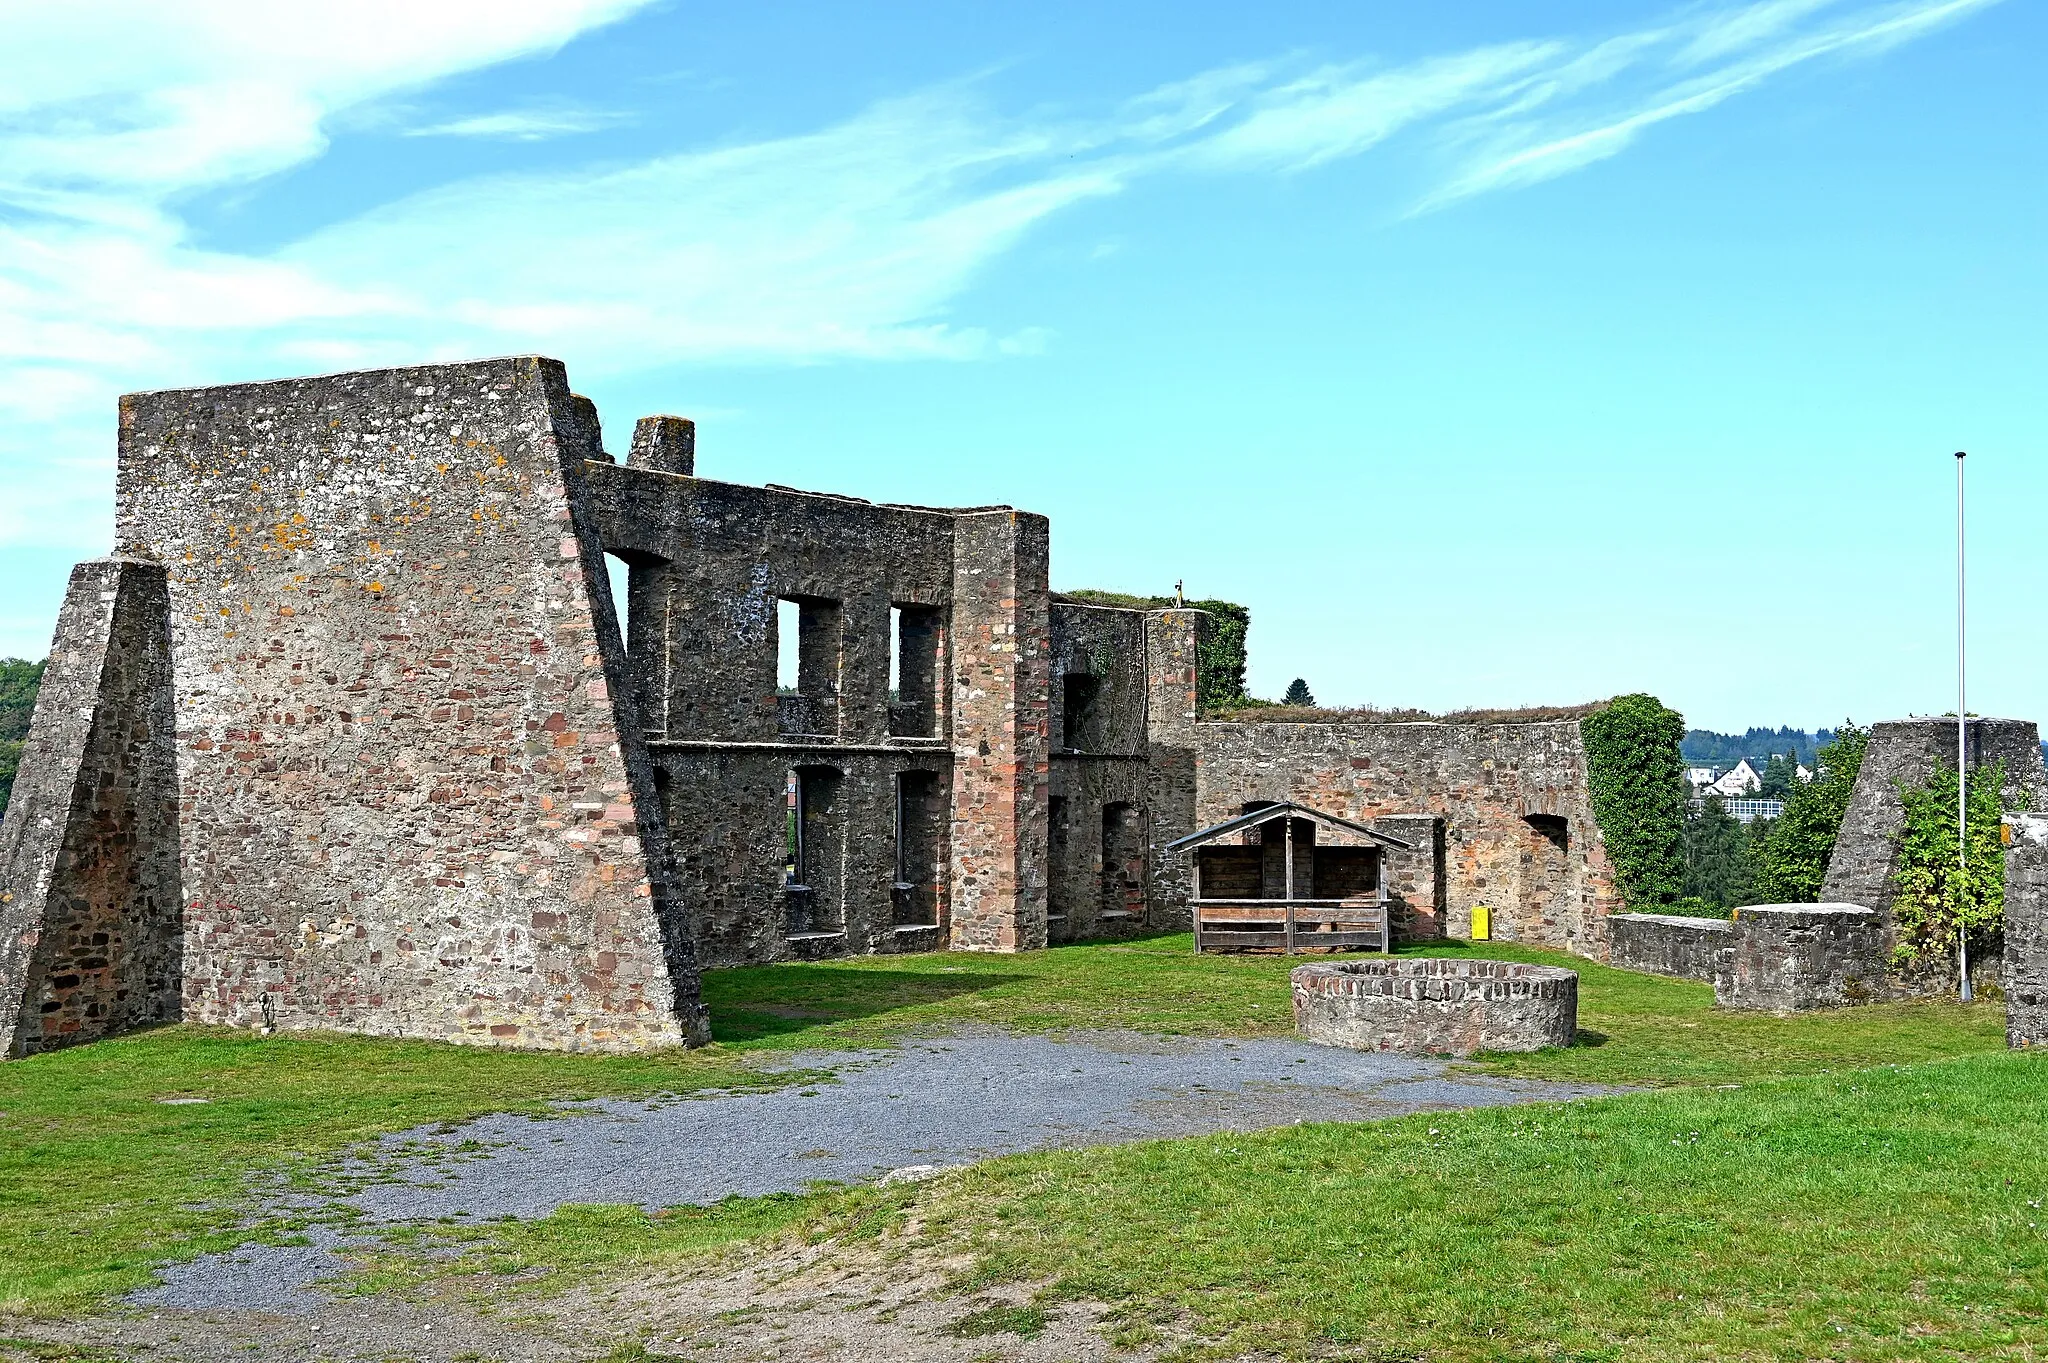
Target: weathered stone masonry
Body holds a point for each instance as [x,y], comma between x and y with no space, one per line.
[352,734]
[89,912]
[409,799]
[1499,813]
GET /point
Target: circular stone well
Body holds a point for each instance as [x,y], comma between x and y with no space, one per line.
[1431,1005]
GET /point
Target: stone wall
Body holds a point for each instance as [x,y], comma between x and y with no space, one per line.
[1787,958]
[1667,944]
[1436,1005]
[370,745]
[710,565]
[1100,818]
[1122,712]
[89,938]
[1908,751]
[1517,830]
[2025,967]
[413,794]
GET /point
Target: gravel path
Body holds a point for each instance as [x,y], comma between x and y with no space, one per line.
[930,1103]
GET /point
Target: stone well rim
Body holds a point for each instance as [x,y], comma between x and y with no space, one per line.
[1434,967]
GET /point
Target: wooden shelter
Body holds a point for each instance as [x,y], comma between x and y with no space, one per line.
[1287,877]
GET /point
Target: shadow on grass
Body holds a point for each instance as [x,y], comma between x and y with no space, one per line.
[754,1002]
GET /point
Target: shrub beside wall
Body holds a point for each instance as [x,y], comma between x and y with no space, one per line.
[1938,898]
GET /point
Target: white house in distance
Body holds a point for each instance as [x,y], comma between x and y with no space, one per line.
[1739,780]
[1738,788]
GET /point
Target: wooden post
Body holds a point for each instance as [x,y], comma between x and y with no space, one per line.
[1386,915]
[1287,874]
[1195,900]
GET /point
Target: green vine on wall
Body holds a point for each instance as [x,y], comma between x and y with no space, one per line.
[1636,780]
[1938,898]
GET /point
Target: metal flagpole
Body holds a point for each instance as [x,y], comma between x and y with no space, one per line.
[1962,751]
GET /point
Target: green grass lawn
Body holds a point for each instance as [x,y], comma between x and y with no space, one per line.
[1635,1028]
[99,1179]
[1889,1214]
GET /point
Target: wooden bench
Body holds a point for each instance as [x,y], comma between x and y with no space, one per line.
[1291,924]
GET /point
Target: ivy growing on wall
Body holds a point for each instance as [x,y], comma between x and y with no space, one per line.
[1219,684]
[1636,779]
[1219,647]
[1937,897]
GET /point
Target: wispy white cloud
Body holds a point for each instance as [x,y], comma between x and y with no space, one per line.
[1756,42]
[526,125]
[853,240]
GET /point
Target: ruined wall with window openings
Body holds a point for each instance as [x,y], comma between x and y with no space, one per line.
[409,709]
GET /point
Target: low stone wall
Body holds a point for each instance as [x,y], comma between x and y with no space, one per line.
[2024,972]
[1436,1006]
[1667,944]
[1790,957]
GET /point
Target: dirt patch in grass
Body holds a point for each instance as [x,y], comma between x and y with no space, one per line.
[856,1301]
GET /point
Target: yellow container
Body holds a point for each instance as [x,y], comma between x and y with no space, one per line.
[1482,923]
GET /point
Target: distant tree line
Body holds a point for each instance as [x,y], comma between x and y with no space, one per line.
[1705,748]
[19,682]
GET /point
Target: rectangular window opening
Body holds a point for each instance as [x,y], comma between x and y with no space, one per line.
[788,630]
[914,637]
[814,843]
[807,665]
[1080,704]
[918,821]
[895,653]
[1123,861]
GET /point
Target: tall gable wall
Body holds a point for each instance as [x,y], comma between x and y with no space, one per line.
[413,799]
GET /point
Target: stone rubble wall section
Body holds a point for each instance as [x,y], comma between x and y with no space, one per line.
[1787,958]
[1172,771]
[89,940]
[1667,944]
[1436,1006]
[709,565]
[2024,975]
[1907,751]
[413,794]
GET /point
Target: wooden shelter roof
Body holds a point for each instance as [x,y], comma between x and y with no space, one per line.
[1285,809]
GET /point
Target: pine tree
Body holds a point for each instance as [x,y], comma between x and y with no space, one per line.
[1297,693]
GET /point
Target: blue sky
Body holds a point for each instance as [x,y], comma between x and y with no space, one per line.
[1491,353]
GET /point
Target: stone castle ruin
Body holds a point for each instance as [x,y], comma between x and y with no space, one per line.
[350,733]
